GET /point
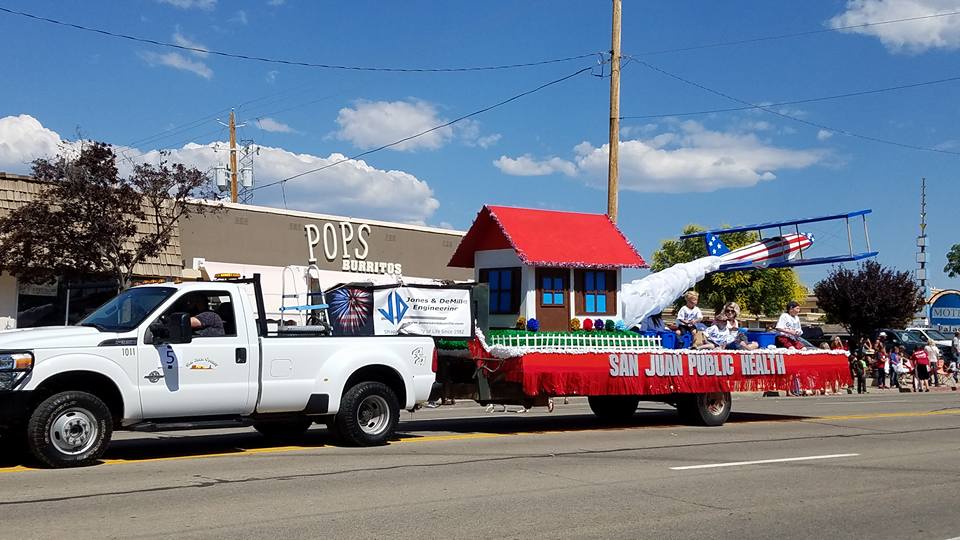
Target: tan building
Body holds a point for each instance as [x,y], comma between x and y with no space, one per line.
[284,246]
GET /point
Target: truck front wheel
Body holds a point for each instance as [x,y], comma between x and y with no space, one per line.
[369,413]
[613,407]
[69,429]
[710,409]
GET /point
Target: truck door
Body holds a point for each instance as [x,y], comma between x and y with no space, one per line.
[208,376]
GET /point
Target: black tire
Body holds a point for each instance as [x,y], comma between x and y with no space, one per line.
[613,407]
[289,428]
[69,429]
[712,409]
[368,415]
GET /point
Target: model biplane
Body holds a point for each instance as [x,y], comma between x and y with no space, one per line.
[779,249]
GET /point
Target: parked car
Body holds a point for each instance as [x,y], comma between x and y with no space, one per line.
[944,341]
[910,340]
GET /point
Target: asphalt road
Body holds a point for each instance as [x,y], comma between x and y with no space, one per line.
[878,465]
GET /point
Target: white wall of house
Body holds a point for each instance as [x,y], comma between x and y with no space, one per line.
[507,258]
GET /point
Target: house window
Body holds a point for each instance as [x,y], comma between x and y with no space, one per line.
[552,291]
[596,292]
[504,289]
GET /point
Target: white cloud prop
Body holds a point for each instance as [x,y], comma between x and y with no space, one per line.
[350,188]
[908,36]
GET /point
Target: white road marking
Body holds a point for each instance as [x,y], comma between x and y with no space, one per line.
[760,462]
[859,402]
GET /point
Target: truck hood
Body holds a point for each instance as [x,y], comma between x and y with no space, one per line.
[50,337]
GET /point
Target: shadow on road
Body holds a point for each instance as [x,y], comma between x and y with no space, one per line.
[190,445]
[506,423]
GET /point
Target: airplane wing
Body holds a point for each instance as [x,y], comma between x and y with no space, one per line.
[777,224]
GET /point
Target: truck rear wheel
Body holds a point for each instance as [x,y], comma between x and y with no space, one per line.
[69,429]
[289,428]
[710,409]
[369,413]
[613,407]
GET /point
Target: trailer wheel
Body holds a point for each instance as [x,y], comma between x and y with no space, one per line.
[289,428]
[613,407]
[369,413]
[710,409]
[69,429]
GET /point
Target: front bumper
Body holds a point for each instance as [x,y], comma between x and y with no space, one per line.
[14,407]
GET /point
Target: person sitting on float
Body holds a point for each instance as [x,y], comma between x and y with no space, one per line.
[689,316]
[740,341]
[788,327]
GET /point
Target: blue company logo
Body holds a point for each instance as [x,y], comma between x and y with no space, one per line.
[394,301]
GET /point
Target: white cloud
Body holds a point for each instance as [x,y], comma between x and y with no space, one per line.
[823,135]
[908,36]
[370,124]
[177,61]
[274,126]
[691,158]
[184,41]
[271,76]
[526,165]
[350,188]
[240,17]
[374,123]
[206,5]
[22,140]
[276,2]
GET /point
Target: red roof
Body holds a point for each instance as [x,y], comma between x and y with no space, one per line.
[548,238]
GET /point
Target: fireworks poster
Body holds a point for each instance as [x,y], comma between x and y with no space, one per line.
[351,311]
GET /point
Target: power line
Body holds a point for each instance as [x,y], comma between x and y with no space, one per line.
[800,101]
[292,62]
[793,35]
[794,118]
[283,181]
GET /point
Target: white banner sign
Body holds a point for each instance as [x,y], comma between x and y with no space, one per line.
[437,312]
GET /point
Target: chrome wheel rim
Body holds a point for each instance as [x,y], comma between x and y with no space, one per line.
[373,415]
[715,403]
[74,431]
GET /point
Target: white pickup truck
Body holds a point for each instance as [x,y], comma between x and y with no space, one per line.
[136,363]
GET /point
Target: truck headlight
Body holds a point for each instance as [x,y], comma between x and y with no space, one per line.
[14,366]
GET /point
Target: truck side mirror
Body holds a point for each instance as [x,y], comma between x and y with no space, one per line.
[175,329]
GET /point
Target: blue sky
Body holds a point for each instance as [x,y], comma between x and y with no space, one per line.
[545,150]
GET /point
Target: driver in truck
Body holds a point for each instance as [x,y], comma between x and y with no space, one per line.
[203,320]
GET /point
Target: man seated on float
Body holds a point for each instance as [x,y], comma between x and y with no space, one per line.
[788,327]
[689,316]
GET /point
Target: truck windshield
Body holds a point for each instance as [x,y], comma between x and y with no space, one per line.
[936,335]
[127,310]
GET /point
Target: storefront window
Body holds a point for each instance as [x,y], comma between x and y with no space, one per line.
[47,305]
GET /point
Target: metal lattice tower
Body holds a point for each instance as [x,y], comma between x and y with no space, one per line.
[922,247]
[247,153]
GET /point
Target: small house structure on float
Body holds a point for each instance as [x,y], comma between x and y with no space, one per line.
[548,265]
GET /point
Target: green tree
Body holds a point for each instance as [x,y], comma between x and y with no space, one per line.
[953,261]
[759,292]
[88,222]
[869,298]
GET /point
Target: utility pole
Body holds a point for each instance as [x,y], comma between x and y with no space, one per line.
[233,158]
[613,170]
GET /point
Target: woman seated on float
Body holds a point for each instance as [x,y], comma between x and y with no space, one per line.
[725,332]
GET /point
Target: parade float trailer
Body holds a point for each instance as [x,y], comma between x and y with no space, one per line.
[563,269]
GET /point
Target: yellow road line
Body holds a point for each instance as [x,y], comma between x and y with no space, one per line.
[471,436]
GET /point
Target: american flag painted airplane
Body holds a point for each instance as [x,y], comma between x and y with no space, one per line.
[780,250]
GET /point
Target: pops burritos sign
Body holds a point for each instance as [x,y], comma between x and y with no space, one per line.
[349,244]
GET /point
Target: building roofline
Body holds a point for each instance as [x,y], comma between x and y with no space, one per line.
[328,217]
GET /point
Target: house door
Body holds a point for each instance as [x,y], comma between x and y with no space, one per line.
[553,299]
